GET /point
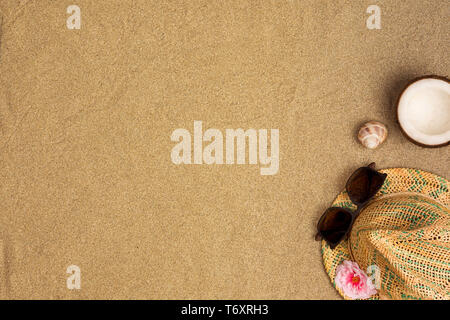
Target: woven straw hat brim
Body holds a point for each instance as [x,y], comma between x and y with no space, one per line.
[399,180]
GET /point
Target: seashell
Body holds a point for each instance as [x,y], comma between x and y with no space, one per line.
[372,134]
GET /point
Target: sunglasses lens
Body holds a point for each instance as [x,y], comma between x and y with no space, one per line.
[334,224]
[364,184]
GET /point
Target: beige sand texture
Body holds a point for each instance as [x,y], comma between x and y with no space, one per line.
[86,117]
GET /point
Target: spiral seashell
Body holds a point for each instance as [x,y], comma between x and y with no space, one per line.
[372,134]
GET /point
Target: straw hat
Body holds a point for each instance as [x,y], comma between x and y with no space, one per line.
[402,235]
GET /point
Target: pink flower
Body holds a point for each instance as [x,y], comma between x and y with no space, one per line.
[353,282]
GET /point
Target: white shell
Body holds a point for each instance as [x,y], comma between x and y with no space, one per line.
[372,134]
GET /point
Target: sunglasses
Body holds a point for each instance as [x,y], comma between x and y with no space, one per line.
[335,223]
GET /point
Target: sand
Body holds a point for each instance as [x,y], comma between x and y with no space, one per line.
[86,116]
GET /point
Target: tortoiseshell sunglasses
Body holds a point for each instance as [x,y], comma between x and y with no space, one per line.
[336,222]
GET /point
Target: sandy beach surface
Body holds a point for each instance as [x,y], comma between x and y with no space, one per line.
[86,117]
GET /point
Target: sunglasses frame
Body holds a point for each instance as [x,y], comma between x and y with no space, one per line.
[359,205]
